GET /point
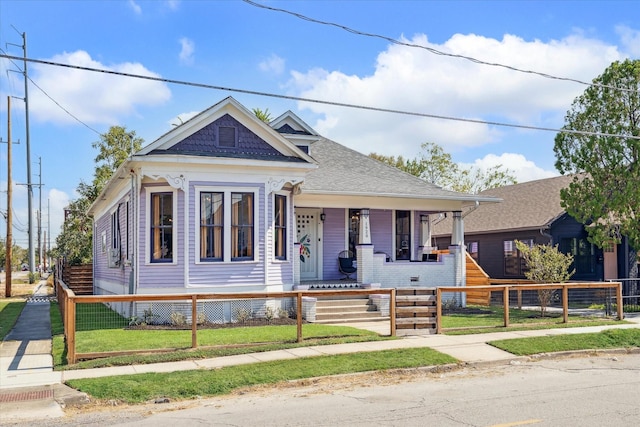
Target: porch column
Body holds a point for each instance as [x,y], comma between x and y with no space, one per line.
[457,233]
[365,228]
[425,235]
[364,250]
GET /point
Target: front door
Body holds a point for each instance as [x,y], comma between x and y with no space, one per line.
[307,229]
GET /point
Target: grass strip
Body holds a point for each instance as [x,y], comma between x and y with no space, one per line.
[613,338]
[9,313]
[191,384]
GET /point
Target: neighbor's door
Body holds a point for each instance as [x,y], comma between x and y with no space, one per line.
[307,232]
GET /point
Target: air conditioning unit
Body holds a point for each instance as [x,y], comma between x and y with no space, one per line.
[113,258]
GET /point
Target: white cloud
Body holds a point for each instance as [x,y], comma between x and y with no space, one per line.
[91,96]
[186,51]
[523,169]
[58,200]
[172,4]
[182,118]
[135,7]
[414,80]
[274,64]
[630,39]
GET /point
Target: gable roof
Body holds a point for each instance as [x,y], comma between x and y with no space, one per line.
[197,137]
[525,206]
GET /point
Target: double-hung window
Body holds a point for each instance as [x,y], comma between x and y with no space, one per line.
[280,226]
[161,227]
[211,226]
[226,224]
[241,226]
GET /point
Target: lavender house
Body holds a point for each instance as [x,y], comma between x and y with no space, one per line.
[228,203]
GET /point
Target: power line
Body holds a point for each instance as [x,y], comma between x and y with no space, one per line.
[317,101]
[434,51]
[53,100]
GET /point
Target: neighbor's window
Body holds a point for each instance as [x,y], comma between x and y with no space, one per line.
[472,248]
[280,226]
[584,254]
[211,226]
[514,264]
[403,235]
[161,227]
[241,226]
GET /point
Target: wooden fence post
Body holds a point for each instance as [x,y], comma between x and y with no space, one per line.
[71,330]
[505,298]
[194,321]
[619,300]
[392,311]
[565,303]
[299,315]
[438,311]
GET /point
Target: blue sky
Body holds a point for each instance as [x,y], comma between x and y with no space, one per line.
[234,44]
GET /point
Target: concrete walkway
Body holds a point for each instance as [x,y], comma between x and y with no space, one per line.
[30,388]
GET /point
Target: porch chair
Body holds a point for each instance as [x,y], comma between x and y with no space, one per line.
[345,264]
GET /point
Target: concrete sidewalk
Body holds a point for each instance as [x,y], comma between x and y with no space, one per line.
[30,388]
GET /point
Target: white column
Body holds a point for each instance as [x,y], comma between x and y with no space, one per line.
[457,233]
[365,228]
[425,235]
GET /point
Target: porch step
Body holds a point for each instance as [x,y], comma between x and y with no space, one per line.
[347,310]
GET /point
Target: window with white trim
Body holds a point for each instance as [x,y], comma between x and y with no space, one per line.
[211,225]
[226,224]
[241,226]
[280,226]
[161,227]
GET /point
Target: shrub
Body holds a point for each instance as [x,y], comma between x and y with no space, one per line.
[546,264]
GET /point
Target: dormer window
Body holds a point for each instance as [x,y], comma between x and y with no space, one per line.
[227,137]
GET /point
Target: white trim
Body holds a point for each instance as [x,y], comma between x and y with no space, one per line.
[147,250]
[226,195]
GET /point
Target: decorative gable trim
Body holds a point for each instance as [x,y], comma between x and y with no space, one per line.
[233,109]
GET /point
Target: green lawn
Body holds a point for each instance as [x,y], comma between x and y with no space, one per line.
[614,338]
[9,312]
[480,319]
[211,342]
[192,384]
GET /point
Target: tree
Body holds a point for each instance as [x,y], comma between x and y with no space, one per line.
[545,264]
[605,192]
[437,167]
[265,115]
[75,240]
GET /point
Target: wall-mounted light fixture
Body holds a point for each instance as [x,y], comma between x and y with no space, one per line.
[323,216]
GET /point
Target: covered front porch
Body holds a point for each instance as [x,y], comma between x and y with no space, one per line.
[387,248]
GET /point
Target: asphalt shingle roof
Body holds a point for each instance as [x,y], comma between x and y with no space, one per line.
[533,204]
[343,169]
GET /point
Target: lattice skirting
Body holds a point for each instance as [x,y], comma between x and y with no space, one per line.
[216,311]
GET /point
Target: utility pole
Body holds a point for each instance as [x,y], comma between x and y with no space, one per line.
[29,185]
[7,262]
[40,211]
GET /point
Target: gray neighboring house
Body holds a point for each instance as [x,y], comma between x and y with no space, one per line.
[228,203]
[532,212]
